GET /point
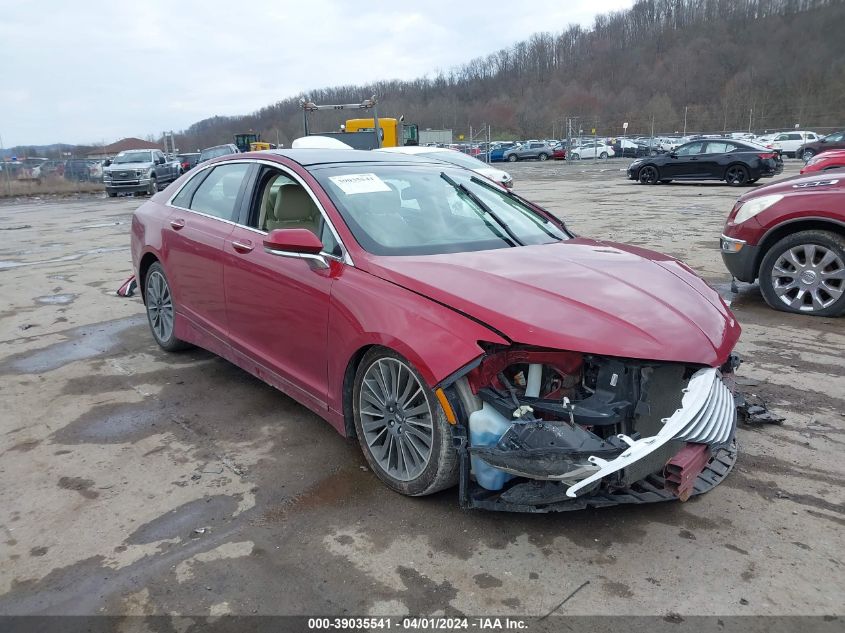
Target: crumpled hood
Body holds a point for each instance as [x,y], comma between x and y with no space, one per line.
[581,295]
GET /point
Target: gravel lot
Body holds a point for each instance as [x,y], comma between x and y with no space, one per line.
[136,482]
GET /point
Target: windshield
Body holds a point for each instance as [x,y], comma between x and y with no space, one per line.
[456,158]
[416,210]
[133,157]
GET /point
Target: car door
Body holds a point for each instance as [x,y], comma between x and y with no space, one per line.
[278,306]
[713,160]
[685,162]
[202,217]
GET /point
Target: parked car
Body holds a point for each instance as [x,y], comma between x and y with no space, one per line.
[539,150]
[790,142]
[735,162]
[218,150]
[82,170]
[139,171]
[188,160]
[629,149]
[455,158]
[416,306]
[826,161]
[559,151]
[831,141]
[790,235]
[591,150]
[497,151]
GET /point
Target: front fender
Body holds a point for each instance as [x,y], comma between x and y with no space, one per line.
[366,310]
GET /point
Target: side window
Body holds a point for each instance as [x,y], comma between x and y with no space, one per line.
[719,147]
[690,149]
[157,156]
[285,204]
[794,137]
[218,193]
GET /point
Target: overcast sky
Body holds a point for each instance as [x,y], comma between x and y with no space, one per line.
[93,72]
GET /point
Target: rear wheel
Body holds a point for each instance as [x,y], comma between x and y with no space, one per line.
[513,158]
[543,156]
[805,273]
[401,427]
[736,175]
[648,175]
[807,154]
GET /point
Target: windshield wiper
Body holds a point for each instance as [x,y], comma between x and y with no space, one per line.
[483,207]
[519,199]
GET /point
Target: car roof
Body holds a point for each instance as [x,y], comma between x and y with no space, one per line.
[309,157]
[416,149]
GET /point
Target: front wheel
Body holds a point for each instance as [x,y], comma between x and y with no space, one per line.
[512,158]
[648,175]
[152,189]
[805,273]
[401,427]
[603,155]
[576,156]
[736,175]
[161,312]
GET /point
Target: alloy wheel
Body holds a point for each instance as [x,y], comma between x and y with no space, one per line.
[396,419]
[807,155]
[808,277]
[648,175]
[736,175]
[159,306]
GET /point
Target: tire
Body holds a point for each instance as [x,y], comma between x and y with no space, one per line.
[603,155]
[157,297]
[112,194]
[807,154]
[153,188]
[791,274]
[383,443]
[736,175]
[648,175]
[513,158]
[542,156]
[576,156]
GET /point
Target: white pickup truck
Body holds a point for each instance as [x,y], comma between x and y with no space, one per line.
[139,171]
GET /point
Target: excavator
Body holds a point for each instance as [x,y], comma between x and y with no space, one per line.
[251,142]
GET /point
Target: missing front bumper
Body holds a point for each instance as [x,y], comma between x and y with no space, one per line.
[548,496]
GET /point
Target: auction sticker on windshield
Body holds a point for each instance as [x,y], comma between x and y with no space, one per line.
[359,183]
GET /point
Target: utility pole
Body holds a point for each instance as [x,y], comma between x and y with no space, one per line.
[5,168]
[750,117]
[685,120]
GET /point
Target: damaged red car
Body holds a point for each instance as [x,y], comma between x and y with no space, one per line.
[461,333]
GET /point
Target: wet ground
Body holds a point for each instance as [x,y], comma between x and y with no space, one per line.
[133,481]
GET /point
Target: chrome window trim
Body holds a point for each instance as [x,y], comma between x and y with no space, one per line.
[345,257]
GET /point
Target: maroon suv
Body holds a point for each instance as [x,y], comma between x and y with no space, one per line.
[831,141]
[791,236]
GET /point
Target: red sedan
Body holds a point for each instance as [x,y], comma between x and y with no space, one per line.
[831,159]
[460,332]
[791,236]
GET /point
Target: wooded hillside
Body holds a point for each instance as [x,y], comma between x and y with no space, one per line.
[727,63]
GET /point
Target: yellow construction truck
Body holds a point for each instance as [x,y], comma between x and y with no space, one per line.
[361,133]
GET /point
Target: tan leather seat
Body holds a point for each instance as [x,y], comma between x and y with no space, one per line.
[293,209]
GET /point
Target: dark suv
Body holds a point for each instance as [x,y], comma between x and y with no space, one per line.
[831,141]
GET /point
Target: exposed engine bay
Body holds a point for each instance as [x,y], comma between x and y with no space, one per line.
[548,428]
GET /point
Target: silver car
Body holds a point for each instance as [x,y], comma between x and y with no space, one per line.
[539,150]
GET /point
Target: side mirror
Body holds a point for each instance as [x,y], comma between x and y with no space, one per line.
[107,163]
[822,140]
[160,161]
[298,243]
[673,154]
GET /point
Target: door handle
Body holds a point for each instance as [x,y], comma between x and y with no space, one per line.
[243,247]
[177,224]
